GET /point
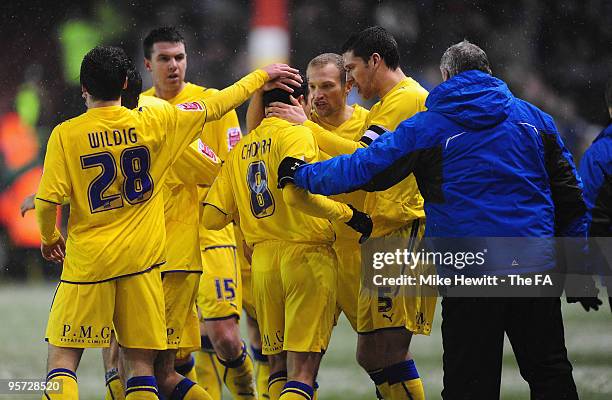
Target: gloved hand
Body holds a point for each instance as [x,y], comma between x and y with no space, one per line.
[287,169]
[361,222]
[610,302]
[587,303]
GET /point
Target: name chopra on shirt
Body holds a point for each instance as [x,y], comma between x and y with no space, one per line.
[252,149]
[111,138]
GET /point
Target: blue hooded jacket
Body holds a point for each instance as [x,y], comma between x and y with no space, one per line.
[487,164]
[596,172]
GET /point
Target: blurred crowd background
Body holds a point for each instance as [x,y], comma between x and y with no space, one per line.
[555,54]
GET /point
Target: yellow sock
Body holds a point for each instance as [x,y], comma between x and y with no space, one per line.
[238,377]
[412,389]
[68,388]
[114,388]
[141,388]
[207,368]
[315,395]
[262,373]
[276,383]
[295,390]
[196,392]
[384,390]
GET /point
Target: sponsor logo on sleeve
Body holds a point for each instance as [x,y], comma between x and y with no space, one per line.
[233,137]
[207,151]
[192,106]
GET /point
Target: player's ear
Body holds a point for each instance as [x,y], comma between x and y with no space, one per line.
[125,83]
[375,59]
[348,85]
[83,92]
[147,64]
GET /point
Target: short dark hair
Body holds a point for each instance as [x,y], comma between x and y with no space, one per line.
[329,58]
[282,95]
[374,39]
[103,72]
[464,56]
[161,34]
[609,93]
[131,94]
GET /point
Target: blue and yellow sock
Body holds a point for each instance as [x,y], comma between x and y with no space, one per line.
[208,369]
[68,384]
[114,387]
[238,376]
[187,369]
[188,390]
[276,383]
[141,388]
[404,381]
[379,378]
[295,390]
[262,372]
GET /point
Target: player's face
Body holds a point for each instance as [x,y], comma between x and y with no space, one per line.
[360,74]
[327,94]
[167,65]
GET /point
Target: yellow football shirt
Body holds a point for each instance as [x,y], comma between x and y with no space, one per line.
[396,206]
[112,163]
[351,129]
[221,136]
[247,186]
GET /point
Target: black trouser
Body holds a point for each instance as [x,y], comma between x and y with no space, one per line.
[473,338]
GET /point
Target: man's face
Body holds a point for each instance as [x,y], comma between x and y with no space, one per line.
[360,74]
[327,94]
[167,65]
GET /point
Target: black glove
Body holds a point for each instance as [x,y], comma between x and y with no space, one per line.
[610,302]
[587,303]
[286,170]
[361,222]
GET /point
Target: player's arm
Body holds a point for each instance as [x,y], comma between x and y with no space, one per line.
[323,207]
[327,141]
[53,189]
[255,111]
[219,206]
[387,161]
[231,97]
[198,165]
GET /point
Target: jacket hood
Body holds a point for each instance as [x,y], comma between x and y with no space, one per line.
[472,99]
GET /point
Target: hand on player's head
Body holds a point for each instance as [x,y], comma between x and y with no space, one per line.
[293,113]
[283,71]
[55,252]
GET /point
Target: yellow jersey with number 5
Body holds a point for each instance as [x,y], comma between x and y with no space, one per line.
[246,187]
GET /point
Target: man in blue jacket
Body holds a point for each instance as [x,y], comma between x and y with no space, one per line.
[488,165]
[596,172]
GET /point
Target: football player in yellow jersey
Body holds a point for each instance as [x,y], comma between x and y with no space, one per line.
[219,296]
[386,320]
[111,162]
[327,108]
[293,264]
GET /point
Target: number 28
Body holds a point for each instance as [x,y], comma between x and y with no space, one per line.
[137,187]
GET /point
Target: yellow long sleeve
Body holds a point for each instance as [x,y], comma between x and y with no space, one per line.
[316,205]
[331,143]
[214,219]
[232,96]
[46,214]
